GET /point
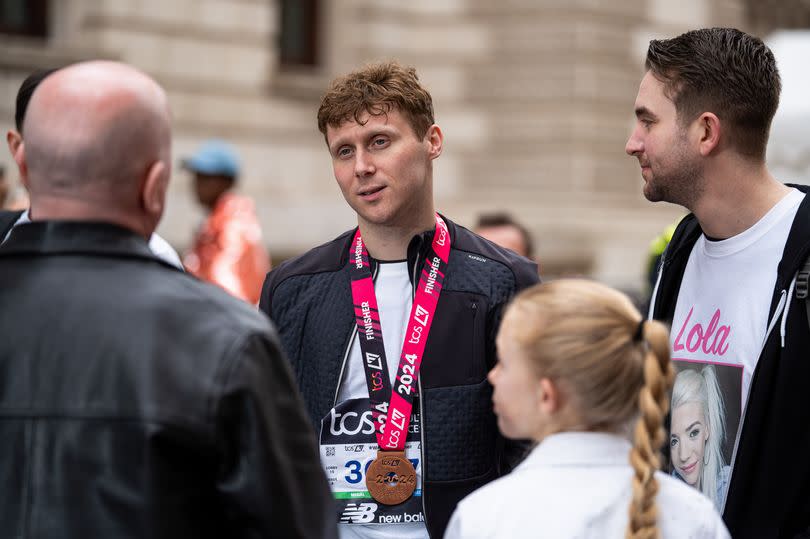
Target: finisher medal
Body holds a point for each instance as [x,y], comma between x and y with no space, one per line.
[391,478]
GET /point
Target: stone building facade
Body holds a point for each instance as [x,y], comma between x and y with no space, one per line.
[534,97]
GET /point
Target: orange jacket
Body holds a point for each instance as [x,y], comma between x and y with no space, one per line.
[228,249]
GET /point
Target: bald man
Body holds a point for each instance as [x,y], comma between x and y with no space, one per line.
[135,401]
[19,210]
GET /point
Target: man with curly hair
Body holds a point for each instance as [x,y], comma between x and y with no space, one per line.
[390,327]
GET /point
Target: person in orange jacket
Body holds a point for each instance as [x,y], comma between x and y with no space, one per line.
[228,249]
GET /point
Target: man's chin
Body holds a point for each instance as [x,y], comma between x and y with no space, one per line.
[652,194]
[377,218]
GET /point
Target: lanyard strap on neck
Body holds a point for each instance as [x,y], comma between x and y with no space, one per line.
[391,409]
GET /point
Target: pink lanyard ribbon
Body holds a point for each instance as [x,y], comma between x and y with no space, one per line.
[392,415]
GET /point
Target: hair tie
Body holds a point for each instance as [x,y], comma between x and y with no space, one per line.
[638,336]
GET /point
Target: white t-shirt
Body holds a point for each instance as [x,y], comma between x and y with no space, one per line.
[719,327]
[578,485]
[394,294]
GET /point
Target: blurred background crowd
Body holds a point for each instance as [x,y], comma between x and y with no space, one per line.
[535,98]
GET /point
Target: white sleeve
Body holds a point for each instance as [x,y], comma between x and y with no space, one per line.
[454,529]
[720,528]
[709,525]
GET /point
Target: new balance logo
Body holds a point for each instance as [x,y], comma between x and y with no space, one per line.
[362,513]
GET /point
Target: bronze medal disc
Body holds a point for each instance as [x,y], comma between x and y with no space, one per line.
[391,478]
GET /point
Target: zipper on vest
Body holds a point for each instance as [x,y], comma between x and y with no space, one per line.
[349,346]
[422,448]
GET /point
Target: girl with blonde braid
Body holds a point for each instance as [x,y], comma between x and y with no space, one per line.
[578,371]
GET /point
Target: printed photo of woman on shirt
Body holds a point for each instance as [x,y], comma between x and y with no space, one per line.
[702,431]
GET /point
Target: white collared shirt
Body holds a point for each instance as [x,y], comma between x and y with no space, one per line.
[578,484]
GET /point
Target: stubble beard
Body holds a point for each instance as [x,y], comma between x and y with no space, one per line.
[683,183]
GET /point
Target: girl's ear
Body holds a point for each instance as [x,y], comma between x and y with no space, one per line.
[549,396]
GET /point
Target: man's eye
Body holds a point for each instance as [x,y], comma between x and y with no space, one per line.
[379,141]
[345,151]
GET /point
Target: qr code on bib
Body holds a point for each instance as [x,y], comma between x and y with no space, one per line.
[330,451]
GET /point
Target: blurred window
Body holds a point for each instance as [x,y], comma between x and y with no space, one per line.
[299,32]
[24,17]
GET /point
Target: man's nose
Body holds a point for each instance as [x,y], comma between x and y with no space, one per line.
[363,164]
[634,144]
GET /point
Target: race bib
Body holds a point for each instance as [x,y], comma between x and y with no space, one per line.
[348,446]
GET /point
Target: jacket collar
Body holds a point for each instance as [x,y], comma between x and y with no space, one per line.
[75,237]
[420,244]
[417,247]
[578,449]
[797,246]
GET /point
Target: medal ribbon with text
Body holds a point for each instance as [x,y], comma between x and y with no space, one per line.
[391,408]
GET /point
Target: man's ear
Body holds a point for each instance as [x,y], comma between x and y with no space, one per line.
[18,154]
[14,139]
[153,190]
[709,131]
[435,140]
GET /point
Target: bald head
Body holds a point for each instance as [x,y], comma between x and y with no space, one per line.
[94,131]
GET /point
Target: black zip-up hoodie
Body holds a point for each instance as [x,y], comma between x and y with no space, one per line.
[309,299]
[769,492]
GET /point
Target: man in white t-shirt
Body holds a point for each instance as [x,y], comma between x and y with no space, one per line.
[728,279]
[390,327]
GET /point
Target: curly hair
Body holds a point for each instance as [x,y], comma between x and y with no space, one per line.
[377,89]
[614,365]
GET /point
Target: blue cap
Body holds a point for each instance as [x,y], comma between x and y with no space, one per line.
[214,157]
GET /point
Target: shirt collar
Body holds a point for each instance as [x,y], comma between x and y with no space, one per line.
[579,448]
[22,219]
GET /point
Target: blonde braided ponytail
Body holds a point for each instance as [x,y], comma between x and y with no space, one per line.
[653,402]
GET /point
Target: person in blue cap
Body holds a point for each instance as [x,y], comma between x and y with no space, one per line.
[228,249]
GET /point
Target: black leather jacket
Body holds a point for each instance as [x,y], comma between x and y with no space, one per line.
[136,401]
[309,299]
